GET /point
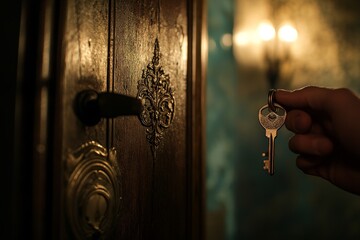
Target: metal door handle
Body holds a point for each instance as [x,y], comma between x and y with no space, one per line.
[90,106]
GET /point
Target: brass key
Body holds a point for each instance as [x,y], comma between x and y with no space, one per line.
[271,121]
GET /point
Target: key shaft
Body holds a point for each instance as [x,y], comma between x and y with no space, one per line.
[271,122]
[270,162]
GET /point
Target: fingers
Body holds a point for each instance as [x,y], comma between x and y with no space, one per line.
[298,121]
[309,97]
[336,172]
[315,166]
[309,165]
[311,144]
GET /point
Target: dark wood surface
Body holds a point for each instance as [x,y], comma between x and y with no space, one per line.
[154,188]
[106,46]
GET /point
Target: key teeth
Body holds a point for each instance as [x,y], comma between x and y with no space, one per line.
[266,165]
[266,162]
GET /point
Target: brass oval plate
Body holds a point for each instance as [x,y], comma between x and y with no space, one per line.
[93,191]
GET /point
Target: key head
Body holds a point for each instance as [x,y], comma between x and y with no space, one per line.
[272,120]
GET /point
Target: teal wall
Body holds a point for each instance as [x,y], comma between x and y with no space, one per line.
[222,121]
[243,202]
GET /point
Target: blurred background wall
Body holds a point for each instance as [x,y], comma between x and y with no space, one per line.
[245,52]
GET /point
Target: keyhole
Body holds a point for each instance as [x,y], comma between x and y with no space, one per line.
[95,210]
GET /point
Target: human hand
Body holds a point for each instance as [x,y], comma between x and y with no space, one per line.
[326,123]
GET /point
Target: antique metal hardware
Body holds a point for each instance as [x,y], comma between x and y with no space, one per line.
[90,106]
[93,192]
[157,94]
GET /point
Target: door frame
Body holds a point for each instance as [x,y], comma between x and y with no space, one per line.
[196,125]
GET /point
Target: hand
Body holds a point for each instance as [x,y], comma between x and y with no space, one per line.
[326,123]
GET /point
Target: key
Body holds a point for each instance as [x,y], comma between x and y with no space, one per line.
[272,121]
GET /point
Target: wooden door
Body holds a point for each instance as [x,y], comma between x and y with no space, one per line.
[134,176]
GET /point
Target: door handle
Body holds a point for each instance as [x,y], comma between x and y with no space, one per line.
[90,106]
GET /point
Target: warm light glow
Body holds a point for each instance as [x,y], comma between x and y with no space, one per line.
[242,39]
[211,44]
[184,53]
[226,40]
[266,31]
[288,33]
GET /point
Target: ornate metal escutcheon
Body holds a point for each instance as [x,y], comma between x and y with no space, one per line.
[157,95]
[93,191]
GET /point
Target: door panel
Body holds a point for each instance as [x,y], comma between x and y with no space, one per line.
[154,176]
[131,177]
[85,66]
[85,52]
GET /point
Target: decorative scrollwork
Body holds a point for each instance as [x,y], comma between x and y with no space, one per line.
[93,191]
[157,96]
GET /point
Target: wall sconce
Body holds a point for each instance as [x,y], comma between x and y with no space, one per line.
[270,45]
[277,48]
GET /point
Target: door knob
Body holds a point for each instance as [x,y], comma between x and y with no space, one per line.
[90,106]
